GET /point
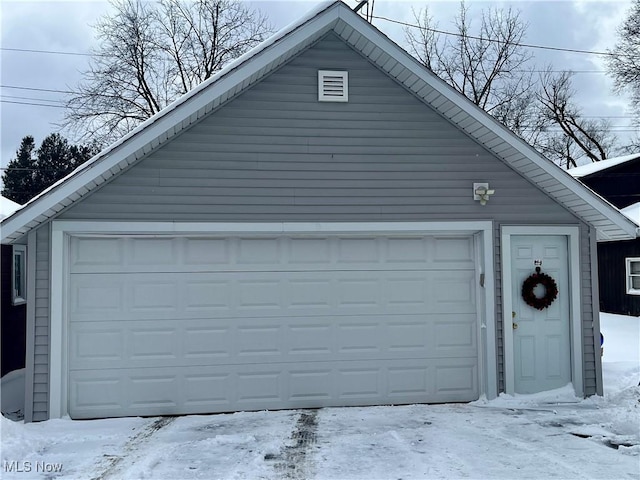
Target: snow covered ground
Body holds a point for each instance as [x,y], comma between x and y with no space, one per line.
[549,435]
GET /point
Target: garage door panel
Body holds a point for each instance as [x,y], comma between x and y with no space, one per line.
[171,391]
[207,295]
[187,254]
[147,344]
[98,392]
[96,297]
[455,336]
[453,250]
[455,380]
[153,296]
[96,254]
[153,389]
[154,252]
[309,252]
[224,324]
[118,297]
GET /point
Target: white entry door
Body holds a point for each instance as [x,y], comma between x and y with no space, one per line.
[541,338]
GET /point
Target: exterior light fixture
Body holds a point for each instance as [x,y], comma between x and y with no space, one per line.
[482,192]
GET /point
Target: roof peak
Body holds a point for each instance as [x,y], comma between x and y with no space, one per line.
[270,55]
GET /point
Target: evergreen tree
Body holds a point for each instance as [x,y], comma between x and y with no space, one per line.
[32,172]
[18,178]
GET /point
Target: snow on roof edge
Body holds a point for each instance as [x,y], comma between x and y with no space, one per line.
[632,212]
[594,167]
[8,207]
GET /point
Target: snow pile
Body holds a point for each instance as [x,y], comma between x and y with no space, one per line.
[12,394]
[19,440]
[562,395]
[614,419]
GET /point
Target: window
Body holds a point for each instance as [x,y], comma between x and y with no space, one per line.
[19,274]
[633,276]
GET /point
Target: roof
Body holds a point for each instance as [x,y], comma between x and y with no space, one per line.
[264,59]
[595,167]
[632,212]
[7,207]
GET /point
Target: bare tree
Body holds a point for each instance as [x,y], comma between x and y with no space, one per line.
[150,54]
[486,65]
[491,68]
[566,136]
[623,63]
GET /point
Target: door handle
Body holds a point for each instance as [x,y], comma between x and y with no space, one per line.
[514,325]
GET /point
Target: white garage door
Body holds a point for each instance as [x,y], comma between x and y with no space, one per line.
[195,325]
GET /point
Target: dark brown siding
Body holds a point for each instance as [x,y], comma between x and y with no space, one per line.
[13,328]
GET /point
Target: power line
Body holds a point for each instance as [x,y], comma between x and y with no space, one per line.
[527,45]
[37,89]
[386,19]
[33,104]
[33,99]
[54,52]
[27,169]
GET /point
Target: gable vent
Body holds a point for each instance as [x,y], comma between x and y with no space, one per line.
[333,86]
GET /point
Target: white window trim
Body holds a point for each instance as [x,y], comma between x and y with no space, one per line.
[62,231]
[629,275]
[21,251]
[575,305]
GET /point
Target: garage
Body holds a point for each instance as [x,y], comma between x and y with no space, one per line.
[161,325]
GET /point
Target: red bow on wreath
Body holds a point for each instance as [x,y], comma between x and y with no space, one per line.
[550,290]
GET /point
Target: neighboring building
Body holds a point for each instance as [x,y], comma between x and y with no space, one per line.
[322,223]
[13,309]
[618,181]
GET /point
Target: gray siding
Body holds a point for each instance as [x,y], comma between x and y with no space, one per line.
[276,154]
[38,408]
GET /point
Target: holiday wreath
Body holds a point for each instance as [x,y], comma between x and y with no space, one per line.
[550,290]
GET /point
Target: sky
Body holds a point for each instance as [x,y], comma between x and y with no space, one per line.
[28,107]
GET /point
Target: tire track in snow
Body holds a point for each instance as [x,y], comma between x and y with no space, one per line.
[114,462]
[293,461]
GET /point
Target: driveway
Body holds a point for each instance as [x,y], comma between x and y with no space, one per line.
[403,442]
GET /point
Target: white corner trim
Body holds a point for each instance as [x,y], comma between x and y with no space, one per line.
[59,251]
[488,331]
[575,304]
[57,406]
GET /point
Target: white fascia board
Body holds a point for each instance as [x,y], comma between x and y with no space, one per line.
[126,149]
[483,118]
